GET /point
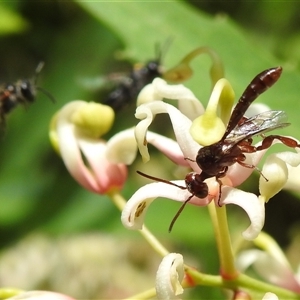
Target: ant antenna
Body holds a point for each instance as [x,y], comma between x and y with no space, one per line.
[37,73]
[50,96]
[161,50]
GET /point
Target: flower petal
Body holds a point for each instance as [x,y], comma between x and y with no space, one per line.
[122,147]
[108,175]
[188,104]
[169,276]
[209,128]
[253,206]
[276,172]
[69,148]
[168,147]
[135,209]
[270,296]
[268,267]
[180,123]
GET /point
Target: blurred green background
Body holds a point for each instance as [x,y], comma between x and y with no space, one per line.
[82,42]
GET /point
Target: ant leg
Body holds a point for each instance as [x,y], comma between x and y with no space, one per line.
[267,142]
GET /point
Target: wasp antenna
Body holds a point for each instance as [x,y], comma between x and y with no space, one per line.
[161,180]
[179,212]
[50,96]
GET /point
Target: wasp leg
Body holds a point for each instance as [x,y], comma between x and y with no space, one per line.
[267,142]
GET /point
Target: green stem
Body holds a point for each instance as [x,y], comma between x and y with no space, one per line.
[219,220]
[242,281]
[120,202]
[183,71]
[149,294]
[259,286]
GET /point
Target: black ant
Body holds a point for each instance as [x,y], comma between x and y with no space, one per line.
[21,92]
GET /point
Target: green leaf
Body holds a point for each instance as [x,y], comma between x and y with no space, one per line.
[140,25]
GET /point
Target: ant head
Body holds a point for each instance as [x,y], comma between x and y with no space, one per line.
[27,90]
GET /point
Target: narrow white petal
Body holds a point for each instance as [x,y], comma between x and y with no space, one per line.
[253,206]
[169,277]
[181,125]
[135,209]
[188,104]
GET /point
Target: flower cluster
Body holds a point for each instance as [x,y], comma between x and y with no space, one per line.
[100,166]
[207,128]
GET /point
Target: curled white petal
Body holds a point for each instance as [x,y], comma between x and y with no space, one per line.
[180,123]
[134,211]
[70,152]
[270,296]
[253,206]
[169,277]
[276,172]
[148,94]
[188,104]
[122,147]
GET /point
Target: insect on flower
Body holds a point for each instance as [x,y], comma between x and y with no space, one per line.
[21,92]
[130,86]
[215,159]
[194,184]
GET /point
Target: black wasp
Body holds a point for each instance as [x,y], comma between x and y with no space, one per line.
[131,85]
[215,159]
[21,92]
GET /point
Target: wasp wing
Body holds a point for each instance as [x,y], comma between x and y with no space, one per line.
[258,124]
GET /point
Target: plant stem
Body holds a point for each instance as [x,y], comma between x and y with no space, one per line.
[149,294]
[219,219]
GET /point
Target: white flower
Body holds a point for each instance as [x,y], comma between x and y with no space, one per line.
[184,153]
[169,277]
[76,132]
